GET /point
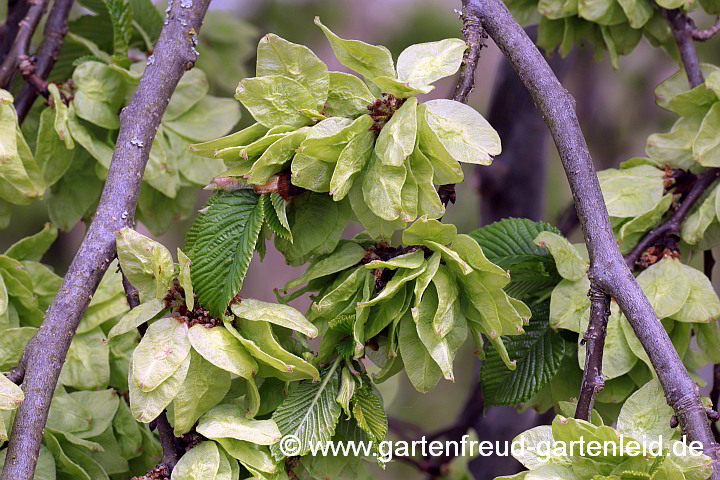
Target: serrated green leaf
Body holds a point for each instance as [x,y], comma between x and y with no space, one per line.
[369,413]
[310,413]
[221,243]
[538,354]
[273,216]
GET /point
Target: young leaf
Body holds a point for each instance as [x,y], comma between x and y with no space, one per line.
[347,390]
[221,243]
[310,413]
[706,147]
[136,317]
[425,229]
[369,412]
[666,297]
[462,131]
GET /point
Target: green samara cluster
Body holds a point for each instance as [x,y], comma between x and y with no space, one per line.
[412,306]
[613,25]
[369,143]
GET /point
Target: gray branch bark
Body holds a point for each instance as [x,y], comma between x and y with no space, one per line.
[608,271]
[45,354]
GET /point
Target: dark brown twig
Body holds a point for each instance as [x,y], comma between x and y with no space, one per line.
[171,453]
[174,54]
[682,27]
[673,225]
[54,33]
[17,9]
[593,379]
[19,50]
[474,37]
[608,271]
[715,398]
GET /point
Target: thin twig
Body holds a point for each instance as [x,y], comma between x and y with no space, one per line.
[607,270]
[17,9]
[19,50]
[593,379]
[54,33]
[682,27]
[715,398]
[707,34]
[171,453]
[673,224]
[46,352]
[474,37]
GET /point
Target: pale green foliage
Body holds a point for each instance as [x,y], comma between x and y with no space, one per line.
[318,124]
[648,415]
